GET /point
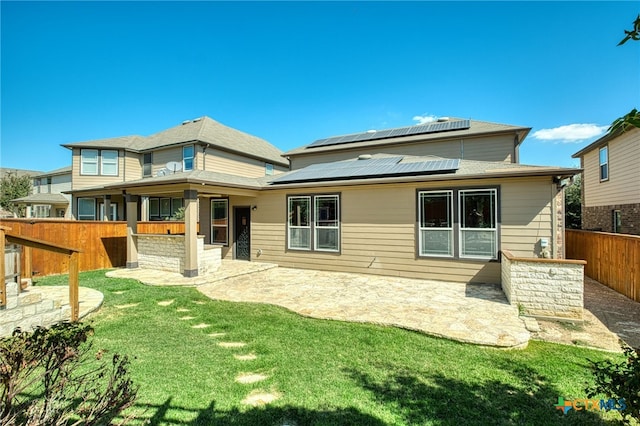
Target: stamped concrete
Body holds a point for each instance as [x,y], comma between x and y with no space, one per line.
[468,313]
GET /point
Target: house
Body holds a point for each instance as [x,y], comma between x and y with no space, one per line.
[437,201]
[611,183]
[49,198]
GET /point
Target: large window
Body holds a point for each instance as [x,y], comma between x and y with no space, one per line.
[109,163]
[220,221]
[435,210]
[604,163]
[187,158]
[313,221]
[327,225]
[478,223]
[86,209]
[164,208]
[89,161]
[458,223]
[147,163]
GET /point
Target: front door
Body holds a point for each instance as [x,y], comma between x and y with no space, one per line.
[242,232]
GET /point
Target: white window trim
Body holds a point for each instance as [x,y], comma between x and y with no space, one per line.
[193,158]
[449,194]
[494,229]
[606,163]
[213,225]
[289,226]
[93,201]
[84,161]
[317,226]
[109,162]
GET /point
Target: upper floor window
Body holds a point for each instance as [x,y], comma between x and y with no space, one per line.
[147,163]
[187,158]
[108,159]
[109,163]
[604,163]
[268,169]
[89,162]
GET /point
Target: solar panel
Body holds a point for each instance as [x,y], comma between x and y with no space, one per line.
[377,167]
[439,126]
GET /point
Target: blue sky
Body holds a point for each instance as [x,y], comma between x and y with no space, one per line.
[294,72]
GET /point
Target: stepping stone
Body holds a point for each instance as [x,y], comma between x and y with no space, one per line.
[198,302]
[232,344]
[182,310]
[247,357]
[216,334]
[258,398]
[201,325]
[186,318]
[130,305]
[118,292]
[248,378]
[165,302]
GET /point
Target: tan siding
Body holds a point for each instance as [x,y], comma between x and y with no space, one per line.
[623,186]
[378,231]
[83,181]
[225,162]
[497,148]
[161,157]
[132,166]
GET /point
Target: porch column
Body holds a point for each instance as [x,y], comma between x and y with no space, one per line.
[28,212]
[132,229]
[190,233]
[144,209]
[107,208]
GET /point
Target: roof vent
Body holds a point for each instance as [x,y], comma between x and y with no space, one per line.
[371,131]
[186,122]
[441,119]
[197,119]
[364,157]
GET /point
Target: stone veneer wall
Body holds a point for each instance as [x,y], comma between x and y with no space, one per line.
[28,309]
[544,288]
[167,253]
[600,218]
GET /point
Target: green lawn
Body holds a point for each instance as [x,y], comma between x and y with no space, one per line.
[323,372]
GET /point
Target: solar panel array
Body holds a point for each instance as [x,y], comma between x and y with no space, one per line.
[439,126]
[377,167]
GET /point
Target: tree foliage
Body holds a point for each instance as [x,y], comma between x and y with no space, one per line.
[631,119]
[13,186]
[619,381]
[573,204]
[47,377]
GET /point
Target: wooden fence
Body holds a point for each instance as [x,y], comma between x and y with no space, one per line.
[103,244]
[612,259]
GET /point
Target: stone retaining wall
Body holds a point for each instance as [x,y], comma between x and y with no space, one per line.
[544,288]
[28,309]
[167,253]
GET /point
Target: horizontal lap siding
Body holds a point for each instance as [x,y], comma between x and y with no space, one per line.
[623,186]
[378,233]
[225,162]
[84,181]
[161,157]
[132,166]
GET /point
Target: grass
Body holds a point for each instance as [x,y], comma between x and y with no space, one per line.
[324,372]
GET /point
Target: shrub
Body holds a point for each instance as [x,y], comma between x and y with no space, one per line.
[48,377]
[619,380]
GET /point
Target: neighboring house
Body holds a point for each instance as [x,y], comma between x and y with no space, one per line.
[436,201]
[18,172]
[49,198]
[611,183]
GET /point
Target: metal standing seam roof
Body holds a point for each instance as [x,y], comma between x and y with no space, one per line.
[368,168]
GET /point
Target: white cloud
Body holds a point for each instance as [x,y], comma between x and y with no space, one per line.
[570,133]
[424,119]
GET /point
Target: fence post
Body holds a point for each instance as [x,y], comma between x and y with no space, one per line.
[28,266]
[73,286]
[3,283]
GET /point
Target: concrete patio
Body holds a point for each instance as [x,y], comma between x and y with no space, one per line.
[470,313]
